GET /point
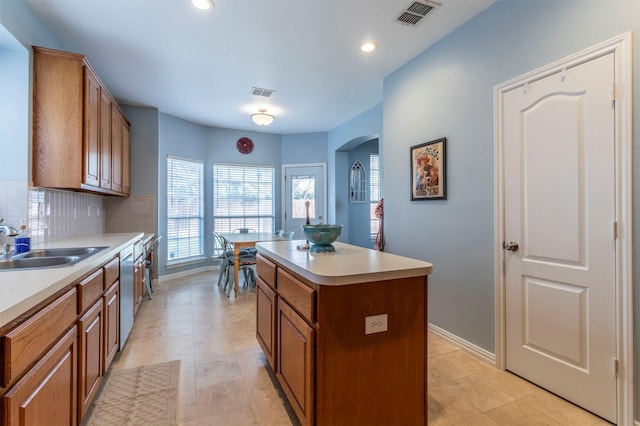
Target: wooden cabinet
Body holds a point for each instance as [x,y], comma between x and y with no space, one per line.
[330,370]
[105,141]
[111,302]
[266,320]
[296,358]
[46,394]
[91,356]
[92,133]
[40,366]
[74,144]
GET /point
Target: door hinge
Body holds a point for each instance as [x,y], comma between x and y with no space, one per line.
[615,230]
[616,367]
[613,92]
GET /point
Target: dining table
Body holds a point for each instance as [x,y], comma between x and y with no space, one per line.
[240,240]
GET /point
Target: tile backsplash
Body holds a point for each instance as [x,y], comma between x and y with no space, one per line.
[135,213]
[56,214]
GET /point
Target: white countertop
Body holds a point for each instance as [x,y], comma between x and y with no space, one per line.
[20,290]
[347,265]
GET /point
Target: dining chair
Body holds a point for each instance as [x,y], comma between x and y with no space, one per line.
[280,232]
[149,265]
[289,235]
[244,231]
[246,257]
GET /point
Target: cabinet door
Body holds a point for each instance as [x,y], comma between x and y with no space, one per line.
[111,324]
[90,357]
[105,140]
[266,320]
[116,149]
[91,128]
[126,158]
[296,361]
[47,394]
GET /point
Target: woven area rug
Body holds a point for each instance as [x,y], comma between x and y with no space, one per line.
[145,395]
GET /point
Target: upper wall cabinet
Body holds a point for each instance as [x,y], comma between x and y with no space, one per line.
[80,135]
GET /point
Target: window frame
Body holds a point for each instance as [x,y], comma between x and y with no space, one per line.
[199,217]
[258,222]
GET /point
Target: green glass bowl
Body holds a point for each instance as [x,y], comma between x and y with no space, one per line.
[321,237]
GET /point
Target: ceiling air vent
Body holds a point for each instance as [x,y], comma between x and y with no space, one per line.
[415,12]
[265,93]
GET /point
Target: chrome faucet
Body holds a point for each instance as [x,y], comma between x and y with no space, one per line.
[8,231]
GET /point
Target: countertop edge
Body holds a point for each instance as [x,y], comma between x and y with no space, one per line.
[58,278]
[327,279]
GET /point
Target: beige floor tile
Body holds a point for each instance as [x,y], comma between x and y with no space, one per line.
[503,380]
[479,420]
[436,345]
[454,365]
[224,379]
[482,396]
[559,409]
[518,413]
[445,407]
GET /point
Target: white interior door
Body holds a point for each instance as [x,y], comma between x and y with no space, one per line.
[302,183]
[559,208]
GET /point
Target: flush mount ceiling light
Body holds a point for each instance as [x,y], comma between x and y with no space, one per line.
[368,46]
[262,118]
[203,4]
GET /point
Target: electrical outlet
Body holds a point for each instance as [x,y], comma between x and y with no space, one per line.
[376,324]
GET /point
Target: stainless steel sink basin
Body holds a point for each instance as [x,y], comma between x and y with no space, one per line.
[37,262]
[48,257]
[57,252]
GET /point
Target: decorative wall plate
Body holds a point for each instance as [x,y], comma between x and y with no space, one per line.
[244,145]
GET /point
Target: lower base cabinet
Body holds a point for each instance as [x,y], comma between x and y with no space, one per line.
[266,320]
[111,306]
[296,361]
[90,358]
[46,394]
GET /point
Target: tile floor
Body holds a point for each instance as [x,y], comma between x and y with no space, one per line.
[224,380]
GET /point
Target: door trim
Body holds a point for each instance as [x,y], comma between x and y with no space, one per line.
[622,48]
[324,188]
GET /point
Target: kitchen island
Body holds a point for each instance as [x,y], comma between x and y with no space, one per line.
[345,333]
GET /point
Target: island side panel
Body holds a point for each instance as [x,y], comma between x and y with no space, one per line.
[376,378]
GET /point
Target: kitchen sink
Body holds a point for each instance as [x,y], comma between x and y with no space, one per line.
[37,262]
[60,252]
[47,258]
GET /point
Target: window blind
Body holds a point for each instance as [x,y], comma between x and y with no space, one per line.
[184,208]
[243,197]
[374,192]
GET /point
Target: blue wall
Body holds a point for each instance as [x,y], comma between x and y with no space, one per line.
[304,148]
[343,138]
[14,111]
[447,91]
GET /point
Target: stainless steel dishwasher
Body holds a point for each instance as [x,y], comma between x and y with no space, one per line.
[126,294]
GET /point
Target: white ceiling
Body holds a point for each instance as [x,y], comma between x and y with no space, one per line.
[201,65]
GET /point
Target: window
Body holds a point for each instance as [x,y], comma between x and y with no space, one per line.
[243,198]
[184,209]
[374,192]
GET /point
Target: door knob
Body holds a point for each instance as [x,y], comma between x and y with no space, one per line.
[511,245]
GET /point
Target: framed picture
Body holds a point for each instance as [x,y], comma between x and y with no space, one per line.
[428,170]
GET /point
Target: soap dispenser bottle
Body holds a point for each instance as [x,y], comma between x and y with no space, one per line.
[23,240]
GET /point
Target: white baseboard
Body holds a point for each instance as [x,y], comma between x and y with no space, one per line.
[465,345]
[187,273]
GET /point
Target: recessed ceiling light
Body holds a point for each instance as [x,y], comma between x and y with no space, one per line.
[203,4]
[368,46]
